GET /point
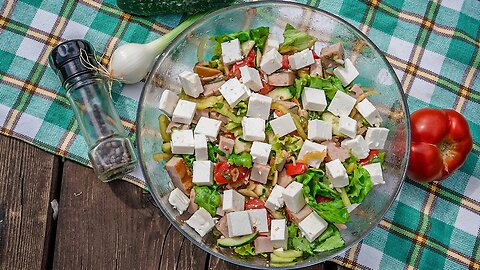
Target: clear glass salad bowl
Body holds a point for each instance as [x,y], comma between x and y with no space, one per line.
[375,72]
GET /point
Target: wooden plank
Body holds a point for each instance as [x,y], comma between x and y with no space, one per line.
[27,185]
[106,226]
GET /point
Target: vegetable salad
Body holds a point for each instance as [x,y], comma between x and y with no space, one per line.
[270,145]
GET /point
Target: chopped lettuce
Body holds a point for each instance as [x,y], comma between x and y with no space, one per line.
[359,186]
[329,239]
[291,143]
[301,243]
[241,109]
[213,151]
[295,40]
[245,250]
[243,159]
[330,85]
[314,184]
[208,198]
[189,159]
[380,157]
[259,35]
[333,211]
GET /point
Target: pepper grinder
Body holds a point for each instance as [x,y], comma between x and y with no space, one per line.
[110,151]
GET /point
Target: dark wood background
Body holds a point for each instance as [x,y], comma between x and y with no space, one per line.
[99,226]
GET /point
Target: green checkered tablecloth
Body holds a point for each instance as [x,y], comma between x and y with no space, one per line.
[434,47]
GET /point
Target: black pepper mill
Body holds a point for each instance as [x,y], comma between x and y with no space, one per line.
[110,151]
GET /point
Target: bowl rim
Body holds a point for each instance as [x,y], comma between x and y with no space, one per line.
[200,21]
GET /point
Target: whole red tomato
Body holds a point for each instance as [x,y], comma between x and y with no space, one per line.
[441,141]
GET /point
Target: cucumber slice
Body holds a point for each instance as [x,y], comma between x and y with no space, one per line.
[332,119]
[237,241]
[288,253]
[280,93]
[277,259]
[247,46]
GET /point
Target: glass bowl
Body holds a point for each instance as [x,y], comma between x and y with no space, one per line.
[374,71]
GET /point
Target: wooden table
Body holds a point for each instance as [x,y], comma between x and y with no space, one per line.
[99,226]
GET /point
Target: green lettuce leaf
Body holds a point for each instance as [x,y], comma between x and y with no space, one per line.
[243,159]
[314,184]
[333,211]
[245,250]
[189,159]
[380,157]
[208,198]
[329,239]
[291,143]
[359,186]
[295,40]
[213,151]
[259,35]
[330,85]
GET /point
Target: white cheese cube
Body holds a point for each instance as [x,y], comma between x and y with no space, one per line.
[314,99]
[279,233]
[191,83]
[203,172]
[168,102]
[201,147]
[358,147]
[342,104]
[251,78]
[336,173]
[376,137]
[260,152]
[319,130]
[258,219]
[352,207]
[259,106]
[301,59]
[310,147]
[375,171]
[233,201]
[178,200]
[184,112]
[293,197]
[347,126]
[234,91]
[368,111]
[346,74]
[313,226]
[201,222]
[183,142]
[272,43]
[271,61]
[238,224]
[253,129]
[283,125]
[231,51]
[208,127]
[275,200]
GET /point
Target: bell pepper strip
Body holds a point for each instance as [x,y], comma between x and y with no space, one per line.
[295,169]
[315,55]
[285,62]
[321,199]
[369,158]
[249,61]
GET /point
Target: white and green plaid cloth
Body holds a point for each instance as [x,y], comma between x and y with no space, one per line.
[434,47]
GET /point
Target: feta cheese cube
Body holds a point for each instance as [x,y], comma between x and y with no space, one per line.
[238,224]
[368,111]
[301,59]
[375,171]
[253,129]
[358,147]
[301,215]
[258,219]
[191,83]
[233,201]
[352,207]
[260,152]
[347,73]
[168,102]
[283,125]
[183,142]
[279,233]
[259,106]
[275,200]
[208,127]
[293,197]
[310,147]
[231,51]
[313,226]
[347,126]
[251,78]
[260,173]
[234,91]
[376,137]
[319,130]
[336,173]
[203,172]
[201,222]
[272,43]
[201,148]
[314,99]
[178,200]
[342,104]
[271,61]
[184,112]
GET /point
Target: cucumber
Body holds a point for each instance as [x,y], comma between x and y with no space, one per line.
[237,241]
[155,7]
[288,253]
[277,259]
[280,93]
[167,148]
[332,119]
[247,46]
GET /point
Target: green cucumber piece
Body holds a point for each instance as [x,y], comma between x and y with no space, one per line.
[247,46]
[167,148]
[277,259]
[236,241]
[332,119]
[155,7]
[280,93]
[288,253]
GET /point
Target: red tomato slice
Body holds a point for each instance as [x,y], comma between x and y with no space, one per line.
[296,169]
